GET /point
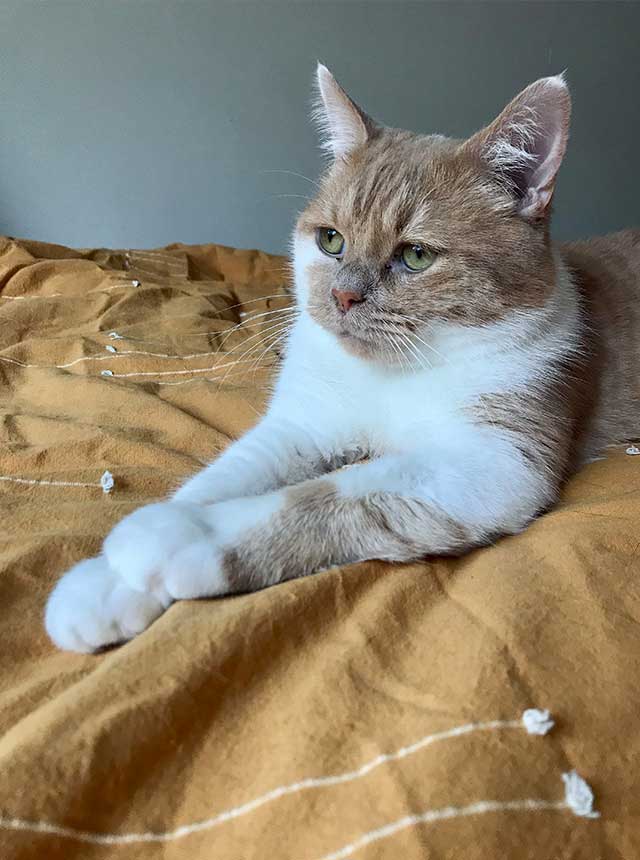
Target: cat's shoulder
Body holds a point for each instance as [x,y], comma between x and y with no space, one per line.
[619,251]
[606,272]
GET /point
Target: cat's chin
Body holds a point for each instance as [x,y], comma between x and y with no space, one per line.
[355,342]
[364,348]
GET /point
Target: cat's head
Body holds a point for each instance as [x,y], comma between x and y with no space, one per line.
[409,232]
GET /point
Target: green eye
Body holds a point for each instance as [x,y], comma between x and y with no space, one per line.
[416,258]
[330,241]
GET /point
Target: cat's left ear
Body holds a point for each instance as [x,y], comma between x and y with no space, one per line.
[525,145]
[343,125]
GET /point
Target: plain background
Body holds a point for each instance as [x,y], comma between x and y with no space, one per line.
[136,124]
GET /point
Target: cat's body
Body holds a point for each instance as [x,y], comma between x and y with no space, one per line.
[605,272]
[463,388]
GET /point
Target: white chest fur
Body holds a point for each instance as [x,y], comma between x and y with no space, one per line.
[346,401]
[354,401]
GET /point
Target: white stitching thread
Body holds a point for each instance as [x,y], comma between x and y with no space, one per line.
[115,336]
[106,289]
[44,296]
[112,356]
[106,482]
[55,366]
[274,794]
[578,799]
[173,372]
[481,807]
[226,378]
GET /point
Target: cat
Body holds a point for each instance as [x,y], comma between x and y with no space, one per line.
[461,365]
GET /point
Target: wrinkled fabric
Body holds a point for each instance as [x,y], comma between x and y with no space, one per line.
[195,739]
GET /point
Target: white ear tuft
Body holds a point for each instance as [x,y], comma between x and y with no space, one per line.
[343,126]
[526,143]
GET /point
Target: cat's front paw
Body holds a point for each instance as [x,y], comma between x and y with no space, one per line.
[92,607]
[166,549]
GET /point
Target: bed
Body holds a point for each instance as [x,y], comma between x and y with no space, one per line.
[372,711]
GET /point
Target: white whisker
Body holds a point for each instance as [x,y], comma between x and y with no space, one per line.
[292,173]
[271,325]
[415,352]
[247,323]
[273,332]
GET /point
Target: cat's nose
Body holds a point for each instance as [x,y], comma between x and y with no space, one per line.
[346,298]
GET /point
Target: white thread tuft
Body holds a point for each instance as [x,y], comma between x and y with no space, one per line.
[106,373]
[633,450]
[537,722]
[110,348]
[107,482]
[578,795]
[115,336]
[135,282]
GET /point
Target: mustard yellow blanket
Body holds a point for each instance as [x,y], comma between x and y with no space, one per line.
[371,711]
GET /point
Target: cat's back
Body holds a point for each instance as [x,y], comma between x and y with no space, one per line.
[606,272]
[613,260]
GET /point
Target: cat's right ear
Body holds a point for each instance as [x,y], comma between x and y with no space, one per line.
[343,125]
[525,145]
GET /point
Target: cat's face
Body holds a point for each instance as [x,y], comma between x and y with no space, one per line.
[409,233]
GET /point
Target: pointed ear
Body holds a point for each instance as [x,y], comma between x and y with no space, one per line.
[343,125]
[524,146]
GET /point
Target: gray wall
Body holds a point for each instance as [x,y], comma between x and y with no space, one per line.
[141,123]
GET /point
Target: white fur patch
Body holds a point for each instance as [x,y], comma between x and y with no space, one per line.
[91,607]
[167,548]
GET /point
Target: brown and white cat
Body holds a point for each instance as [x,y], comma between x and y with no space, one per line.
[440,335]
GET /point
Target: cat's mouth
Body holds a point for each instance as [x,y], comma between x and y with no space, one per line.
[352,326]
[355,332]
[349,332]
[361,331]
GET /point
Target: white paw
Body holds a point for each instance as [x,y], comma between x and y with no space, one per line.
[91,607]
[166,549]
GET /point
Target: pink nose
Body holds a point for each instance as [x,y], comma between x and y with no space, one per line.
[345,298]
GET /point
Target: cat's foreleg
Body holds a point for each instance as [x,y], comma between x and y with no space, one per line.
[381,510]
[92,605]
[276,452]
[397,508]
